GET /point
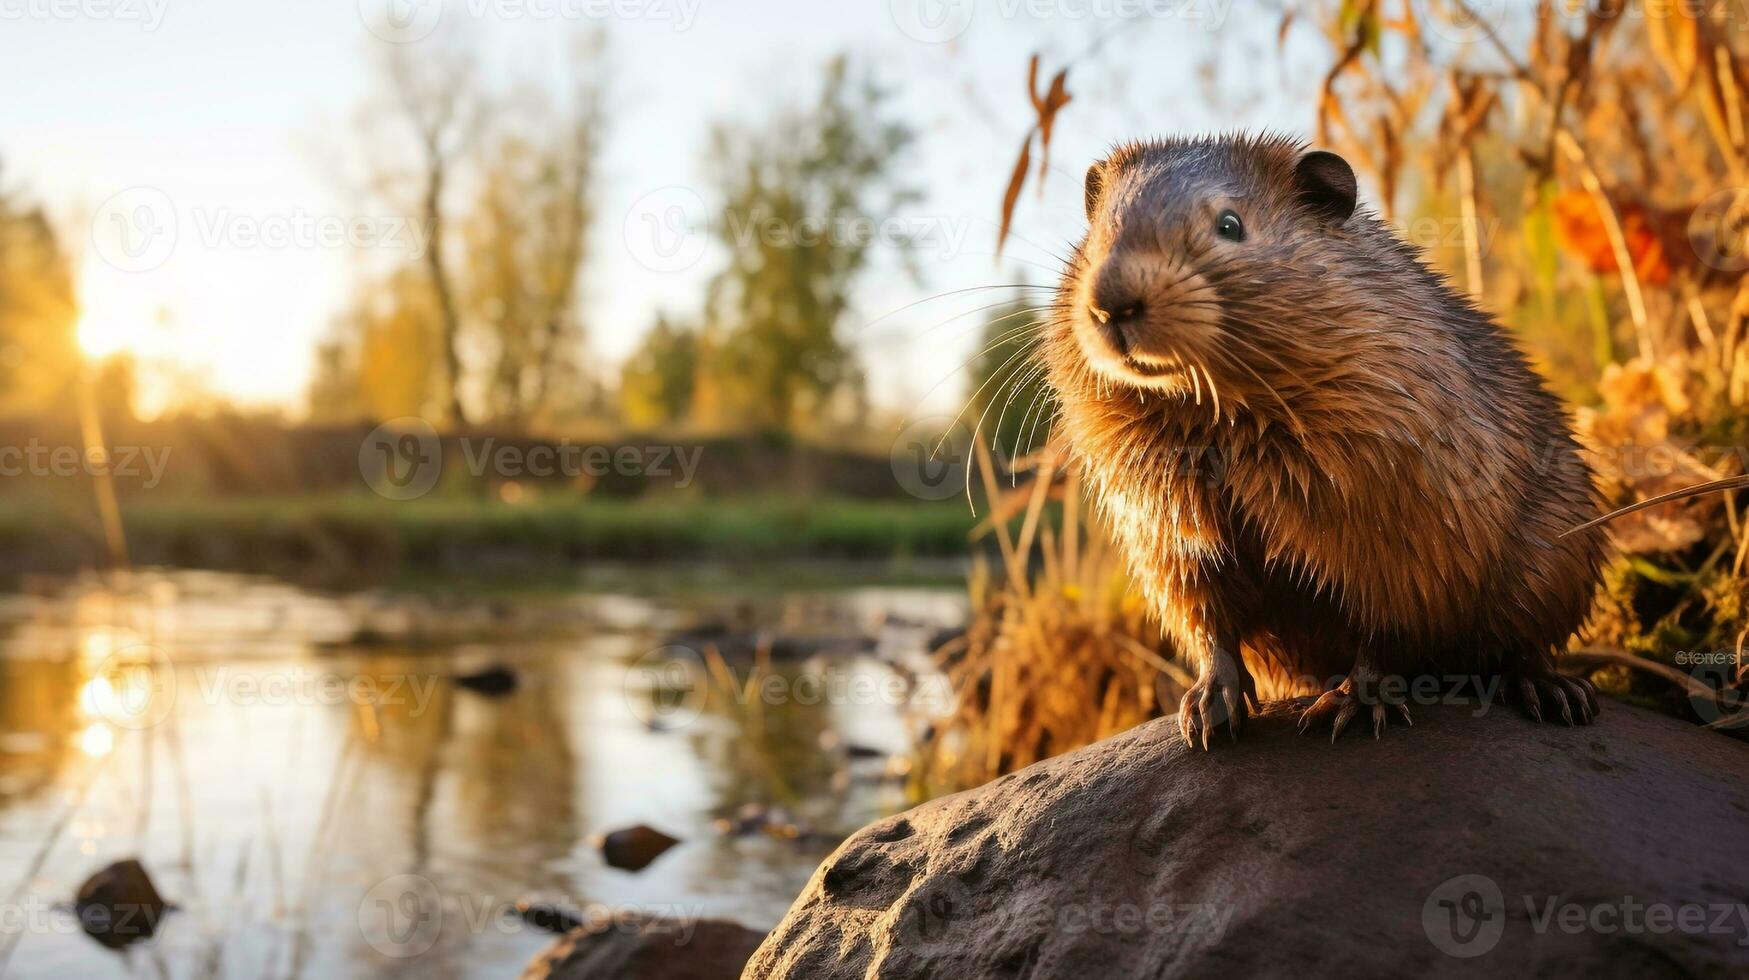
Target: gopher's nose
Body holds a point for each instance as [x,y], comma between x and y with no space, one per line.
[1116,301]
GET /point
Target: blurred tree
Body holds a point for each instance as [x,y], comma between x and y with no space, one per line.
[385,360]
[805,200]
[526,243]
[432,98]
[503,186]
[39,352]
[658,381]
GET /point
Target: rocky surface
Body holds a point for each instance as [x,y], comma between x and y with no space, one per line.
[649,949]
[1471,844]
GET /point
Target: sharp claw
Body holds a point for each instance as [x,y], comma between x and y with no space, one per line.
[1585,694]
[1527,693]
[1343,717]
[1560,699]
[1378,721]
[1234,713]
[1404,710]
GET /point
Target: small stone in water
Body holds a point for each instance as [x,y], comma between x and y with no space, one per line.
[494,681]
[635,847]
[119,905]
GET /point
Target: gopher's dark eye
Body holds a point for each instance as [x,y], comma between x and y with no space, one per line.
[1229,226]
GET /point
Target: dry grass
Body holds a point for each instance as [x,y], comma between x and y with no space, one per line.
[1060,651]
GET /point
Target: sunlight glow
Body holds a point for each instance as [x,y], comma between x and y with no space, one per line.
[97,740]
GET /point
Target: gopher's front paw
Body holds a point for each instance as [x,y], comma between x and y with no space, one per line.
[1533,689]
[1221,694]
[1340,704]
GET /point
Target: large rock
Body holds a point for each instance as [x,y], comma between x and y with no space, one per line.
[1467,845]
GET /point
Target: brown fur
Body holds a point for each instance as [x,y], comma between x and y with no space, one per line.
[1318,450]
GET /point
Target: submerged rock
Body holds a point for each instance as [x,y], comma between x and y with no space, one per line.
[1471,844]
[551,916]
[494,681]
[647,948]
[635,847]
[119,905]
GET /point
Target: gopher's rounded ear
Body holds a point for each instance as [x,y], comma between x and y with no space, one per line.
[1327,185]
[1091,188]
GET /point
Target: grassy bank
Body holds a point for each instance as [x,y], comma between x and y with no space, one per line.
[368,537]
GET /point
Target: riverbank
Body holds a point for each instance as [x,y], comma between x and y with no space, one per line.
[366,537]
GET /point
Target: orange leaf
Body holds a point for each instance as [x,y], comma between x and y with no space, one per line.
[1012,196]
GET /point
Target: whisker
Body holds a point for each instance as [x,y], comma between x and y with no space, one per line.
[1006,337]
[1024,349]
[952,292]
[1045,399]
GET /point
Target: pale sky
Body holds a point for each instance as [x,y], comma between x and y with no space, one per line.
[225,116]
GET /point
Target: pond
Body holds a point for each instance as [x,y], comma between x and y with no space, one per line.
[306,781]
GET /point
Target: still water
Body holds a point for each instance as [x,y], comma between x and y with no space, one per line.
[307,784]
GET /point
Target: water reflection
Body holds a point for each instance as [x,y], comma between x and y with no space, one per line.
[304,781]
